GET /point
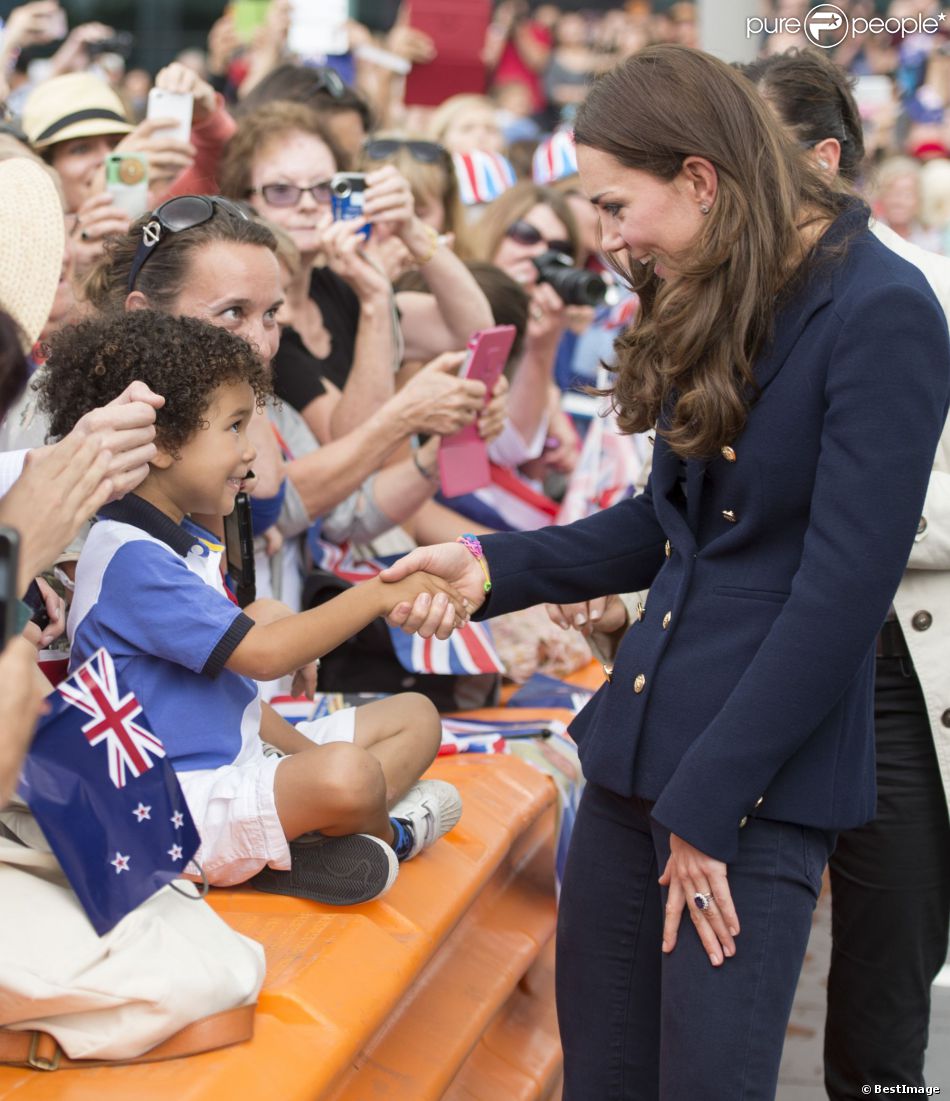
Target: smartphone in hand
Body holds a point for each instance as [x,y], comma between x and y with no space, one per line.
[239,550]
[172,105]
[463,456]
[9,569]
[127,182]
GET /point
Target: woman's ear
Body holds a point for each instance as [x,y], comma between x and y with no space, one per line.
[701,180]
[827,155]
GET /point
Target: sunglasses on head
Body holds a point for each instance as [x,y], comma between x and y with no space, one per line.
[524,233]
[329,81]
[285,194]
[178,214]
[425,152]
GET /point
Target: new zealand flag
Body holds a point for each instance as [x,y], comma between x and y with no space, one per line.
[107,799]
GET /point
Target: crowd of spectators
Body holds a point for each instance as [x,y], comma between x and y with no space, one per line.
[478,218]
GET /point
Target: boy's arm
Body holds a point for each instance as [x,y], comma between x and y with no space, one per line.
[276,731]
[271,650]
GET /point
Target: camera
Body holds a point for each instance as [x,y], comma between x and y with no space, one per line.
[346,197]
[576,286]
[120,43]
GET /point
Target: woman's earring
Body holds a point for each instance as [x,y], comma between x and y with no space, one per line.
[703,208]
[822,164]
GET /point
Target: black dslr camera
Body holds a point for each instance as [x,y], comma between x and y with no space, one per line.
[576,286]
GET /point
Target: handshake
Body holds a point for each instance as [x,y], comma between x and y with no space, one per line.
[434,589]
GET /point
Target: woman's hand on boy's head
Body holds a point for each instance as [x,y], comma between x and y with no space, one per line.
[126,428]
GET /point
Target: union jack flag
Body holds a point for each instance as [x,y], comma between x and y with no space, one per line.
[95,691]
[468,650]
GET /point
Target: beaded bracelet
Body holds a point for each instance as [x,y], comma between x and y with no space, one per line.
[474,546]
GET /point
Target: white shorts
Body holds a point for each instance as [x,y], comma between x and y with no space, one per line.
[234,808]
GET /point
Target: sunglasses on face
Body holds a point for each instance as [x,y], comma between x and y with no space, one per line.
[425,152]
[285,194]
[174,216]
[524,233]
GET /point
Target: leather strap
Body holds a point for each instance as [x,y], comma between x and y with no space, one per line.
[40,1050]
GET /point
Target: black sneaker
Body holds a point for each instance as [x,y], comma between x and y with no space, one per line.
[341,871]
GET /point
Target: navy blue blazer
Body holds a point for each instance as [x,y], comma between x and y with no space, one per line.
[748,681]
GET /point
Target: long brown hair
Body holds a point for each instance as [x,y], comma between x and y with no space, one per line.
[482,239]
[688,360]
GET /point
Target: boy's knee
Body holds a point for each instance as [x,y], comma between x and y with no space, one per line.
[351,778]
[423,714]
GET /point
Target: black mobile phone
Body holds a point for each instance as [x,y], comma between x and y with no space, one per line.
[37,602]
[239,544]
[9,566]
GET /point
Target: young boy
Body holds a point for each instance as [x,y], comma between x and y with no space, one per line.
[149,589]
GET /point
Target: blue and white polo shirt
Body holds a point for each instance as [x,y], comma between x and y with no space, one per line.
[150,591]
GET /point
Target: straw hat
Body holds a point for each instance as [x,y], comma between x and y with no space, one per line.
[32,244]
[77,105]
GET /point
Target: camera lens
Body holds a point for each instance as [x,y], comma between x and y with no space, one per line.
[575,286]
[341,188]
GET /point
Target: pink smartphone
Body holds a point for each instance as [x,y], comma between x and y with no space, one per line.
[463,456]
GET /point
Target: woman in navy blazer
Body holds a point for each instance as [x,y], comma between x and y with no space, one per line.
[798,373]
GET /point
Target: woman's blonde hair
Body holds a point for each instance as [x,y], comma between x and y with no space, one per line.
[447,113]
[433,181]
[688,360]
[482,239]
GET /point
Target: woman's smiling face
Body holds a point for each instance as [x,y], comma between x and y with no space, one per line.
[650,218]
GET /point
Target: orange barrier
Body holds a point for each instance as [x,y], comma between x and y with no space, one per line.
[444,988]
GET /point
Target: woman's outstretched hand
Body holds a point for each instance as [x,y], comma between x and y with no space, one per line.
[452,562]
[688,874]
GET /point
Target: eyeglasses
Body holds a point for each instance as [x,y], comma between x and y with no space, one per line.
[284,194]
[425,152]
[174,216]
[526,234]
[329,81]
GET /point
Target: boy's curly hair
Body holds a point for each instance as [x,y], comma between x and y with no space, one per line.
[183,359]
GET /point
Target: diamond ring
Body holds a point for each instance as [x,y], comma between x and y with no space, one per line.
[702,902]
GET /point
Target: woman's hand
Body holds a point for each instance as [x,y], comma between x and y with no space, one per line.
[167,157]
[690,873]
[60,488]
[436,401]
[21,705]
[437,600]
[455,564]
[179,78]
[56,610]
[604,614]
[353,258]
[126,429]
[491,420]
[388,202]
[547,315]
[97,218]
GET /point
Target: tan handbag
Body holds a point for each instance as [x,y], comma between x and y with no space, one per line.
[170,979]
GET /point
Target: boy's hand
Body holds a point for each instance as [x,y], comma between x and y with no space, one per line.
[451,562]
[423,590]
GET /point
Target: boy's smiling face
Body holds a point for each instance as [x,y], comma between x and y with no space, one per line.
[207,475]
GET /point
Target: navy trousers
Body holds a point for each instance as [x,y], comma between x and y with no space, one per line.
[890,915]
[640,1026]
